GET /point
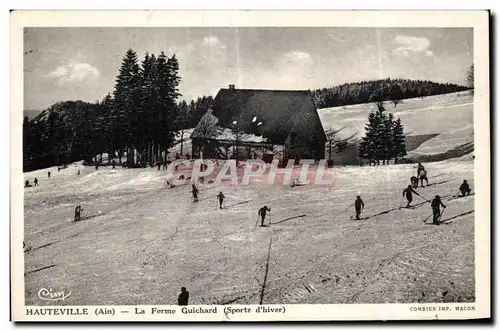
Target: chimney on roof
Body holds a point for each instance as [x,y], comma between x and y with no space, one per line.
[231,86]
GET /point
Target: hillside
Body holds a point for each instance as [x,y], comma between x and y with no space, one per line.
[380,90]
[139,242]
[440,126]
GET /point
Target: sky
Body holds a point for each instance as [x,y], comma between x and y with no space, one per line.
[82,63]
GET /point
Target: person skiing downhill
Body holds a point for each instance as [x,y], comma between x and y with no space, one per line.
[423,176]
[436,212]
[78,213]
[221,197]
[195,191]
[36,181]
[262,214]
[465,188]
[420,167]
[407,192]
[359,205]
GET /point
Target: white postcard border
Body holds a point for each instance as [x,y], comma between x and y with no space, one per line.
[476,19]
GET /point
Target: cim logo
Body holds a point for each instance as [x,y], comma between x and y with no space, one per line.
[51,295]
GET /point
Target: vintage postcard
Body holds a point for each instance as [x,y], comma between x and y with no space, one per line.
[250,165]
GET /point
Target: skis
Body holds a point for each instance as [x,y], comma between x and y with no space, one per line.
[438,220]
[360,219]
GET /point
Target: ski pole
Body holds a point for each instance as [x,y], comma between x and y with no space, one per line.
[427,217]
[440,215]
[423,197]
[258,216]
[401,203]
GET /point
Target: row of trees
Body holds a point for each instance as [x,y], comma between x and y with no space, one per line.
[391,90]
[384,138]
[139,119]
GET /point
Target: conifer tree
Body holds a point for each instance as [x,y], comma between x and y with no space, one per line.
[126,105]
[367,147]
[398,140]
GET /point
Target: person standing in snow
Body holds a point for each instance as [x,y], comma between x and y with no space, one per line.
[48,174]
[221,199]
[420,167]
[407,192]
[423,176]
[436,212]
[359,205]
[465,188]
[183,298]
[36,181]
[262,214]
[194,191]
[77,213]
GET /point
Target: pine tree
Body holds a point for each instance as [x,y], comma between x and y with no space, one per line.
[395,94]
[182,121]
[380,139]
[387,138]
[398,140]
[167,83]
[105,126]
[127,104]
[367,147]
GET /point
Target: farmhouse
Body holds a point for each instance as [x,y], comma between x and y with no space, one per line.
[261,122]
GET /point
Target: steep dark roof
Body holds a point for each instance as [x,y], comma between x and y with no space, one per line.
[282,113]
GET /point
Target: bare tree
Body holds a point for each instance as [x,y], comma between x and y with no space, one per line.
[335,143]
[207,129]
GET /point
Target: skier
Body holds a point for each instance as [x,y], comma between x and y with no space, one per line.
[465,188]
[77,213]
[36,181]
[407,192]
[183,298]
[414,182]
[221,199]
[359,205]
[436,212]
[420,167]
[262,214]
[194,190]
[423,176]
[49,174]
[27,183]
[78,172]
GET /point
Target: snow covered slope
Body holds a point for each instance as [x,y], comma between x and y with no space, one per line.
[139,242]
[449,117]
